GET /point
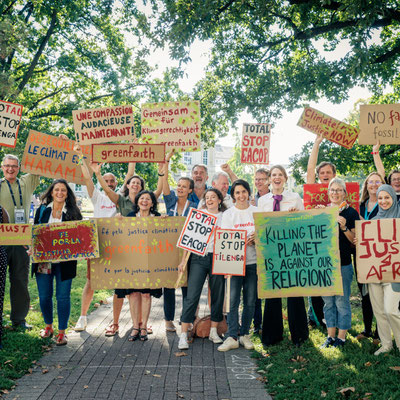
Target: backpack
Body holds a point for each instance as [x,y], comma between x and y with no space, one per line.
[202,327]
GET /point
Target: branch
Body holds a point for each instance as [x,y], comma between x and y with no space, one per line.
[386,56]
[34,105]
[9,7]
[225,7]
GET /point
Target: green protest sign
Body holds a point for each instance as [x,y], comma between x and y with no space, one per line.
[298,253]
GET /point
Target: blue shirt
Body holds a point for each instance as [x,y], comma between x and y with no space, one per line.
[171,201]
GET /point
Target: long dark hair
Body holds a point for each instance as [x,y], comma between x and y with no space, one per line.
[73,212]
[222,206]
[153,208]
[126,191]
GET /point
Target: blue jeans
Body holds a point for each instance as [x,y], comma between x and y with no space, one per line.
[337,309]
[63,296]
[169,302]
[249,284]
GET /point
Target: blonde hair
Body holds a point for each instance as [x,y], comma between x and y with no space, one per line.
[364,190]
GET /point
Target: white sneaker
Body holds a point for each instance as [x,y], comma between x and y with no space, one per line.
[382,350]
[246,342]
[183,343]
[229,344]
[81,324]
[214,337]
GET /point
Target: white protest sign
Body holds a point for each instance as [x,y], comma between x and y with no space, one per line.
[10,118]
[197,231]
[229,252]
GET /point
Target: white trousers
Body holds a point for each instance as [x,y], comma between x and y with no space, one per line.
[385,303]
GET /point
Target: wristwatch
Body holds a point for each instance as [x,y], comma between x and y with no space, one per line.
[345,230]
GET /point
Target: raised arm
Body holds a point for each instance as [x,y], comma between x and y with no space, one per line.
[312,161]
[87,176]
[377,159]
[131,172]
[109,192]
[165,185]
[227,168]
[160,181]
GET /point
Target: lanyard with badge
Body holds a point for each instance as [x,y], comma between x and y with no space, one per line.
[19,212]
[176,208]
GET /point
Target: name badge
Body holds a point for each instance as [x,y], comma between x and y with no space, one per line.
[19,215]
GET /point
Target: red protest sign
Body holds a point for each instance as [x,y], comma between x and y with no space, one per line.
[255,143]
[63,241]
[317,193]
[197,231]
[10,118]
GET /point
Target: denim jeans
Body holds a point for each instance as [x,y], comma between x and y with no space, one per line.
[249,284]
[200,267]
[337,309]
[169,302]
[63,296]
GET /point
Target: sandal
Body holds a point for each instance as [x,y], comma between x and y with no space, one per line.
[112,330]
[169,326]
[61,339]
[136,336]
[150,330]
[144,337]
[46,332]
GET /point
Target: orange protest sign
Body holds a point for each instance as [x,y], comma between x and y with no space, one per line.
[102,125]
[10,118]
[123,153]
[15,234]
[332,129]
[255,143]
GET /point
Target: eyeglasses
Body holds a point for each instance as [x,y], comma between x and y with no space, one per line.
[395,180]
[374,182]
[260,179]
[336,190]
[6,166]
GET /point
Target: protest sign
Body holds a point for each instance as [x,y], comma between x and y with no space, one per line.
[137,253]
[175,123]
[317,193]
[53,157]
[15,234]
[197,231]
[229,252]
[255,143]
[10,118]
[103,125]
[379,122]
[124,153]
[331,129]
[378,255]
[298,253]
[63,241]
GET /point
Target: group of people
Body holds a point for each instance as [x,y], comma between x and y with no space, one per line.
[231,200]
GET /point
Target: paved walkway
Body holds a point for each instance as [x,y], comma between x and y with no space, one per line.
[93,366]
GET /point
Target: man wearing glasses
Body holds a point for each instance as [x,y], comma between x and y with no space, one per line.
[15,197]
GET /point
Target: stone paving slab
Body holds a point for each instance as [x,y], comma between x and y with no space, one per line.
[93,366]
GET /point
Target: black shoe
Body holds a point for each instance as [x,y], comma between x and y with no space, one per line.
[328,342]
[338,343]
[23,326]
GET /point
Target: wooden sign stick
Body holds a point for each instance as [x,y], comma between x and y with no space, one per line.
[183,271]
[228,293]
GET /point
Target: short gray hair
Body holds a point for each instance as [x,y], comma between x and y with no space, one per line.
[11,157]
[201,166]
[339,182]
[217,175]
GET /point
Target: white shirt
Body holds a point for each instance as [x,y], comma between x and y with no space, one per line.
[210,246]
[227,201]
[289,200]
[242,219]
[54,219]
[103,207]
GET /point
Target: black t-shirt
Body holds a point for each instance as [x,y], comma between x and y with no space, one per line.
[372,214]
[346,248]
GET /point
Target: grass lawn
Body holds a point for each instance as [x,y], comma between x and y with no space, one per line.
[22,349]
[309,373]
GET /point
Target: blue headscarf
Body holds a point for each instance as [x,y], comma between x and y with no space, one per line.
[394,210]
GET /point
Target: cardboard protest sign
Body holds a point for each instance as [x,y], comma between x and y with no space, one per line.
[124,153]
[298,253]
[175,123]
[102,125]
[255,143]
[10,118]
[317,193]
[197,231]
[378,255]
[332,129]
[15,234]
[229,252]
[137,253]
[63,241]
[53,157]
[379,122]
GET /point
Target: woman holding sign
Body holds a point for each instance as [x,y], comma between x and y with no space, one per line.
[280,199]
[58,204]
[200,267]
[241,217]
[337,309]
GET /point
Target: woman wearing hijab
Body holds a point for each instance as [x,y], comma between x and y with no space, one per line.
[385,297]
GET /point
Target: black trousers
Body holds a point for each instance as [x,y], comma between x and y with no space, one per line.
[318,306]
[272,331]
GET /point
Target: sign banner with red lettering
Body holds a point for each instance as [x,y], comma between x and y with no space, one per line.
[379,122]
[127,152]
[317,193]
[332,129]
[255,143]
[10,119]
[229,252]
[175,123]
[197,231]
[378,250]
[53,157]
[104,125]
[15,234]
[63,241]
[298,253]
[137,253]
